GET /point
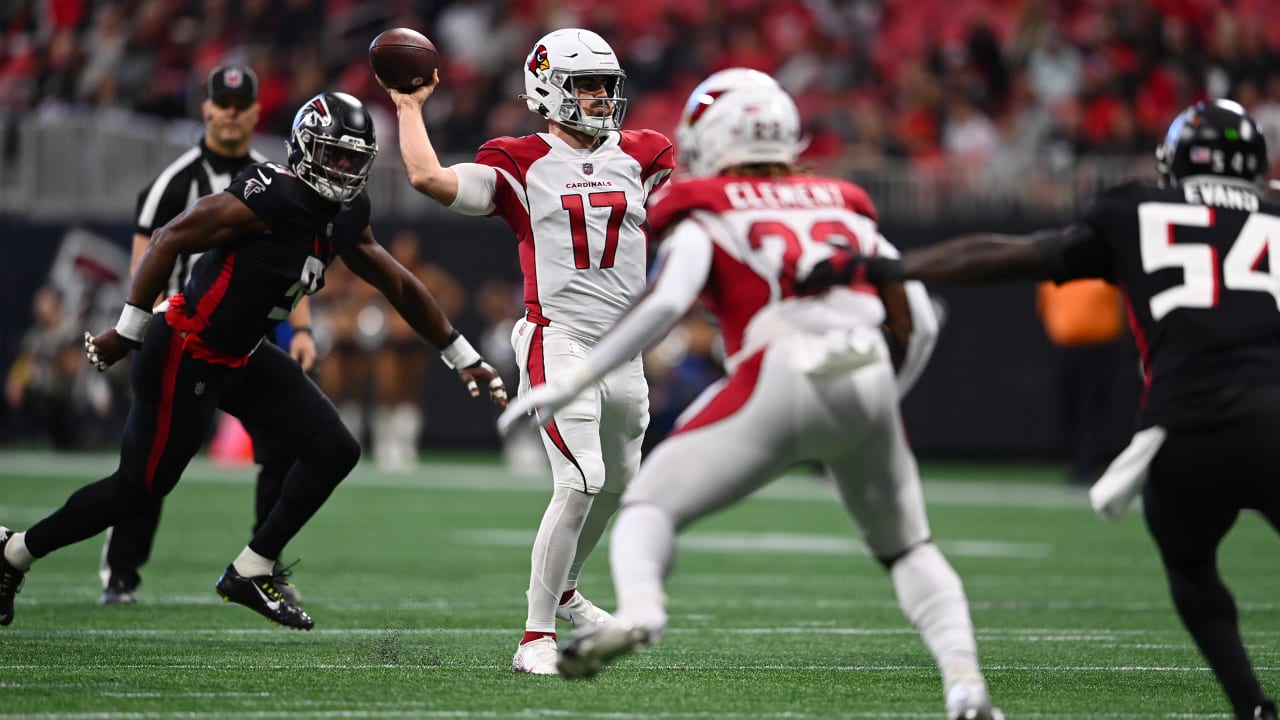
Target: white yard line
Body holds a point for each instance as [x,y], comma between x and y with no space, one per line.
[533,714]
[756,543]
[21,465]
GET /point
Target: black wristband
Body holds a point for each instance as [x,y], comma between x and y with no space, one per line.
[883,270]
[303,329]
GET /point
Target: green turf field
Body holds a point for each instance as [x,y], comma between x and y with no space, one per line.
[416,583]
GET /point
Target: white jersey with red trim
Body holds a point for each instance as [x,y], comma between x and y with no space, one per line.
[578,216]
[765,234]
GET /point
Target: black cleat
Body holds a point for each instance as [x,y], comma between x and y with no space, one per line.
[281,573]
[261,595]
[10,580]
[118,592]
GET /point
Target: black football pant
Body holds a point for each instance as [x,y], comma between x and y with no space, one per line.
[175,399]
[129,544]
[1200,481]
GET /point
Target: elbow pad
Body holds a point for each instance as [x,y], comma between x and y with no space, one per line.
[476,185]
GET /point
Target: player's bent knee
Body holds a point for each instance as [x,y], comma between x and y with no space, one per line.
[335,449]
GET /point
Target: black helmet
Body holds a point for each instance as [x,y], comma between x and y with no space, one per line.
[332,145]
[1212,138]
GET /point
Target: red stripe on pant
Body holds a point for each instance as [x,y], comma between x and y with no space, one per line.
[538,376]
[731,398]
[164,414]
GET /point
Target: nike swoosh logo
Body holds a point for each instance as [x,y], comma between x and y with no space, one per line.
[265,179]
[273,604]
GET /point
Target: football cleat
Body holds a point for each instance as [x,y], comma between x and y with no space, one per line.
[117,593]
[536,657]
[597,645]
[10,580]
[968,700]
[581,612]
[261,595]
[1265,711]
[280,574]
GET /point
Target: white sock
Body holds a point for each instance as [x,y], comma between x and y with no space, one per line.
[553,552]
[602,508]
[352,415]
[408,424]
[384,437]
[932,597]
[16,552]
[641,549]
[250,564]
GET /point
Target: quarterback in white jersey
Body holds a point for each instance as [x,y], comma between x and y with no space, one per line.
[811,377]
[575,198]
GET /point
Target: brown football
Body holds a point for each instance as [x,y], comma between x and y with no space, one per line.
[403,59]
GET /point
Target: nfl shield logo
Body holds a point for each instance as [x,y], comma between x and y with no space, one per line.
[587,168]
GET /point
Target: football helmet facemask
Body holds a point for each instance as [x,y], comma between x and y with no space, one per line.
[739,126]
[332,145]
[701,99]
[565,62]
[1216,138]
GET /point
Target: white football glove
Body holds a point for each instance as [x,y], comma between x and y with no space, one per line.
[541,402]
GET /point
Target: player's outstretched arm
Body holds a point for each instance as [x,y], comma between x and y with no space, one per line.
[213,221]
[426,174]
[406,293]
[974,260]
[964,260]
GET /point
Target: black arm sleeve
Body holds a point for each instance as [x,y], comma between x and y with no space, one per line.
[1076,251]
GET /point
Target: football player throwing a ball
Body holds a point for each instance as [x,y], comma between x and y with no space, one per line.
[575,198]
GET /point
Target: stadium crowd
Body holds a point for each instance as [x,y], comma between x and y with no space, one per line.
[995,87]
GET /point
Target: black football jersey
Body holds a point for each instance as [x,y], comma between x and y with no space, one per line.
[1199,266]
[241,290]
[194,174]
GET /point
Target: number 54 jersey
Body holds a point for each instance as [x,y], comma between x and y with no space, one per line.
[578,216]
[1199,265]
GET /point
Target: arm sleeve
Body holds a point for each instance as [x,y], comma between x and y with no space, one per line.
[476,186]
[1076,251]
[679,275]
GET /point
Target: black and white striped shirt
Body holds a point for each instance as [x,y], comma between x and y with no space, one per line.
[194,174]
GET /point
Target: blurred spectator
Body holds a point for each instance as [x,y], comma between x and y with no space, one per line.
[1120,69]
[39,383]
[401,359]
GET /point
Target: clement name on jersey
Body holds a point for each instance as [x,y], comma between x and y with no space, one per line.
[767,232]
[578,216]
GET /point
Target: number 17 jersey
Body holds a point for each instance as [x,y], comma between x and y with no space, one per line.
[578,216]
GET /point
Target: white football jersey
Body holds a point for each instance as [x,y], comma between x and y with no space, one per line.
[578,216]
[767,233]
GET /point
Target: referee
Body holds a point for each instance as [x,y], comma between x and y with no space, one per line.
[230,115]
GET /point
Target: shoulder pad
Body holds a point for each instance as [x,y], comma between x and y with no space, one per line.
[675,200]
